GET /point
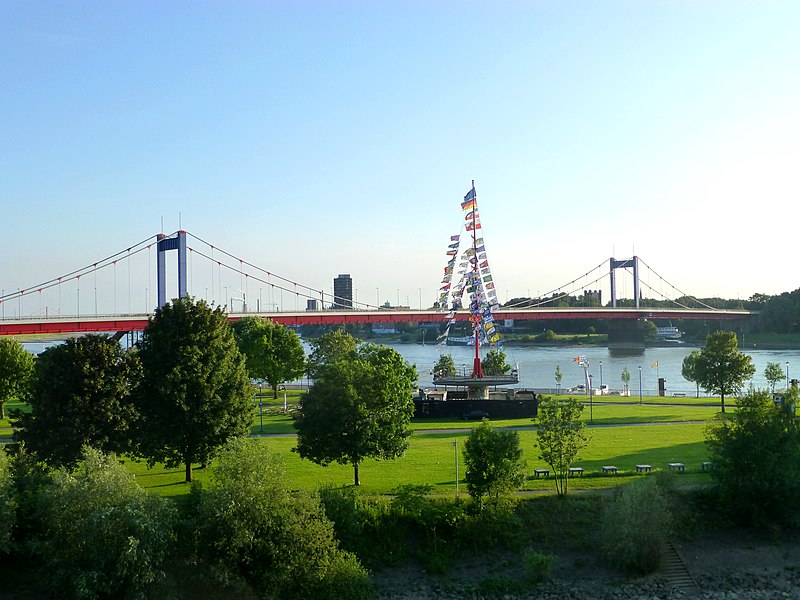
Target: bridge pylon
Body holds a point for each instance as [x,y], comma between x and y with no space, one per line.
[166,243]
[624,264]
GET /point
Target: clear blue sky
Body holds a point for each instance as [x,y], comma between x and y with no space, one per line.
[317,138]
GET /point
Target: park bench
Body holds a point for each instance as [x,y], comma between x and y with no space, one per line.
[643,468]
[576,470]
[544,472]
[706,465]
[610,469]
[676,466]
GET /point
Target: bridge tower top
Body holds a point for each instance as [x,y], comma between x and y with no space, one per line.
[615,264]
[166,243]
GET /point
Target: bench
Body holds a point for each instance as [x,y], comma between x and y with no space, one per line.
[576,470]
[706,465]
[643,468]
[610,469]
[679,395]
[545,472]
[676,466]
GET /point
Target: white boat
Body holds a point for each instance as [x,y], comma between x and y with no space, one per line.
[668,333]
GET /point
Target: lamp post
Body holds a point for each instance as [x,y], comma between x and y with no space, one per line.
[787,375]
[377,297]
[420,298]
[590,398]
[455,452]
[640,384]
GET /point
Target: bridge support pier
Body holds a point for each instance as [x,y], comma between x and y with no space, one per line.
[176,242]
[626,334]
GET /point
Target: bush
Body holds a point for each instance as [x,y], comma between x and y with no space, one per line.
[251,526]
[538,567]
[8,503]
[756,456]
[365,526]
[102,535]
[635,526]
[493,461]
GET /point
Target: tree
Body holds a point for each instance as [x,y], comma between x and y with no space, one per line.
[689,369]
[81,396]
[773,373]
[16,368]
[561,437]
[493,460]
[720,367]
[359,406]
[559,377]
[328,347]
[272,352]
[626,378]
[494,363]
[251,525]
[756,456]
[445,366]
[103,535]
[195,392]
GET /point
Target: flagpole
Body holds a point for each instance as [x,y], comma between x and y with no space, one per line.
[477,370]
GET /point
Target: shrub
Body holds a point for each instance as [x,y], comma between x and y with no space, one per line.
[251,526]
[538,567]
[494,463]
[635,526]
[102,535]
[8,503]
[756,456]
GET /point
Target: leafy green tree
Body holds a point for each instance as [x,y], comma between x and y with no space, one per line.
[559,376]
[445,366]
[756,456]
[328,347]
[493,461]
[103,536]
[773,373]
[650,330]
[195,392]
[780,313]
[359,406]
[720,367]
[626,378]
[689,369]
[8,504]
[272,352]
[561,436]
[250,525]
[16,368]
[81,396]
[494,363]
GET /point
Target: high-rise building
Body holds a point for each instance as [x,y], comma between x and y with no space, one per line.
[343,291]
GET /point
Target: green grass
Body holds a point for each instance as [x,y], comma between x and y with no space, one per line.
[431,460]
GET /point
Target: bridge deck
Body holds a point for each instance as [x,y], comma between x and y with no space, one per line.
[137,322]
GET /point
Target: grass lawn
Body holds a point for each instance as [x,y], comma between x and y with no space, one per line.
[431,460]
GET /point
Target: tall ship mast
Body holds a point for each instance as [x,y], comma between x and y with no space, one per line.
[469,268]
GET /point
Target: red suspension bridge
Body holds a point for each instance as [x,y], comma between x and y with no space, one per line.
[57,306]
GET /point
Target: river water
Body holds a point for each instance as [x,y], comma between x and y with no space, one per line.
[537,365]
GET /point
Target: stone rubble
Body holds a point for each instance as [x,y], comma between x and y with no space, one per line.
[763,584]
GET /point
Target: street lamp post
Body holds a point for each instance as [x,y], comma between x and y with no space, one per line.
[640,384]
[787,375]
[420,298]
[377,297]
[455,452]
[590,398]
